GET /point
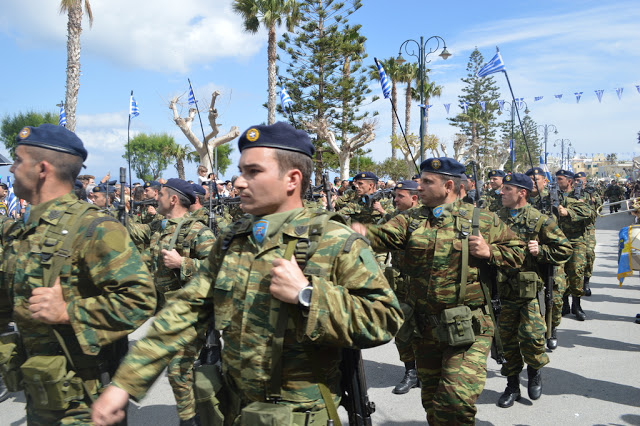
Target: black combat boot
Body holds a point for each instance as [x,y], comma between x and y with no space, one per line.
[577,310]
[534,386]
[193,421]
[552,342]
[4,392]
[586,288]
[511,393]
[566,310]
[409,381]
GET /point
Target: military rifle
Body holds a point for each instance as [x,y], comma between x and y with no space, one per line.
[144,203]
[354,389]
[577,190]
[476,196]
[122,208]
[369,199]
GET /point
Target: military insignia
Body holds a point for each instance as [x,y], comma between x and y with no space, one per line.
[508,178]
[399,185]
[436,164]
[260,230]
[513,212]
[27,211]
[253,135]
[362,175]
[437,212]
[492,173]
[462,212]
[24,133]
[163,223]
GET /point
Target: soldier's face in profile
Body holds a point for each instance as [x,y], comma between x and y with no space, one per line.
[563,182]
[25,174]
[495,182]
[403,199]
[540,181]
[150,193]
[510,196]
[432,189]
[100,199]
[364,187]
[164,201]
[263,189]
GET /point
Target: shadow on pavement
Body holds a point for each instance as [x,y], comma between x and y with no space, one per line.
[575,338]
[152,415]
[382,375]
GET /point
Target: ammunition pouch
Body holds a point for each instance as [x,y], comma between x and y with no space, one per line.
[456,326]
[392,275]
[266,414]
[209,394]
[49,383]
[527,285]
[11,358]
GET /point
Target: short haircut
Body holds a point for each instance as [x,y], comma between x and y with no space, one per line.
[183,200]
[456,182]
[290,160]
[200,198]
[67,166]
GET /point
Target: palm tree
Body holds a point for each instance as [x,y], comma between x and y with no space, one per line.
[73,8]
[271,13]
[407,73]
[392,69]
[181,154]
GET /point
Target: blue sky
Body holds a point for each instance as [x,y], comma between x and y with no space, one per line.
[153,46]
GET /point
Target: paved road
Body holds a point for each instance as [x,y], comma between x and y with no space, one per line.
[593,377]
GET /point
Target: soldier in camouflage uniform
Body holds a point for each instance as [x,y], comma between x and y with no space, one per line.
[341,299]
[590,196]
[4,209]
[361,209]
[573,217]
[178,245]
[200,209]
[492,200]
[149,213]
[70,268]
[435,238]
[613,194]
[522,328]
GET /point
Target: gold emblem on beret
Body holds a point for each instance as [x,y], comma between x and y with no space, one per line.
[435,164]
[492,173]
[253,135]
[24,133]
[362,175]
[508,178]
[399,185]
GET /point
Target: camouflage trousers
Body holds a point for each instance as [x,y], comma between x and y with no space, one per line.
[522,330]
[452,378]
[591,251]
[180,372]
[574,269]
[559,287]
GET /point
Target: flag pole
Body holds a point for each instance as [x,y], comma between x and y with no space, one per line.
[204,139]
[290,110]
[128,159]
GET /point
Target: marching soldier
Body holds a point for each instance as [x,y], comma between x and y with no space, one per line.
[72,281]
[446,243]
[149,213]
[178,245]
[590,195]
[284,323]
[614,193]
[492,198]
[361,208]
[522,327]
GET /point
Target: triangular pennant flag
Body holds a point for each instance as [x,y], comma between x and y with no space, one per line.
[619,92]
[578,95]
[464,106]
[599,93]
[483,105]
[446,107]
[500,104]
[558,96]
[538,98]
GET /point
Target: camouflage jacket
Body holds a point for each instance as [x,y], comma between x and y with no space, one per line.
[193,244]
[591,197]
[351,306]
[554,247]
[576,222]
[433,252]
[344,199]
[614,193]
[492,200]
[359,211]
[108,290]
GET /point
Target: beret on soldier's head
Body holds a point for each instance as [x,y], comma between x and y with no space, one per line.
[565,173]
[280,136]
[366,176]
[534,171]
[580,175]
[55,138]
[463,177]
[152,183]
[198,189]
[497,173]
[410,185]
[520,180]
[182,187]
[442,166]
[104,188]
[78,184]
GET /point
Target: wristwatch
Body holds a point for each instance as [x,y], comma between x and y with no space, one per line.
[304,296]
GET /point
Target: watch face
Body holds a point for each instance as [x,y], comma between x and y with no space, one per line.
[304,297]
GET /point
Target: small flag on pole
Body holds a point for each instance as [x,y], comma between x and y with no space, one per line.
[384,80]
[134,111]
[285,99]
[545,168]
[192,97]
[496,64]
[624,253]
[62,119]
[12,200]
[512,147]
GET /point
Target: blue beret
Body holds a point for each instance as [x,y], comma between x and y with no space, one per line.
[55,138]
[198,189]
[463,177]
[497,173]
[280,136]
[580,175]
[365,176]
[152,183]
[182,187]
[442,166]
[565,173]
[519,179]
[104,188]
[411,185]
[78,184]
[534,171]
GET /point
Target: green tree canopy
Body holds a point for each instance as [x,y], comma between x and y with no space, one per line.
[11,125]
[148,154]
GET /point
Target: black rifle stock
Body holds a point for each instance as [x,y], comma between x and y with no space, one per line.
[122,208]
[369,199]
[476,196]
[354,389]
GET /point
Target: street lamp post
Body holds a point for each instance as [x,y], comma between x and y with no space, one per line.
[512,110]
[546,128]
[562,143]
[421,73]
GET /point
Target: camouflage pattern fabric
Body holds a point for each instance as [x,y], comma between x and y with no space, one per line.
[433,259]
[574,227]
[4,209]
[614,193]
[358,211]
[559,288]
[591,197]
[352,306]
[492,200]
[348,196]
[108,290]
[194,245]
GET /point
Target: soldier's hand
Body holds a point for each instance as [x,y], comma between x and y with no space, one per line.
[287,279]
[171,258]
[109,408]
[534,248]
[151,210]
[378,207]
[47,305]
[359,228]
[478,247]
[562,211]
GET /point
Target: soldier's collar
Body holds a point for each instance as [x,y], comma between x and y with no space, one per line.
[51,211]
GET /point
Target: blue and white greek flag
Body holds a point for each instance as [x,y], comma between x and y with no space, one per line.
[500,104]
[192,97]
[62,118]
[512,147]
[134,111]
[483,105]
[545,167]
[285,99]
[384,81]
[496,64]
[464,106]
[520,103]
[12,200]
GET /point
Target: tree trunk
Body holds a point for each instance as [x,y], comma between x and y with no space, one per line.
[180,168]
[74,29]
[407,109]
[271,68]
